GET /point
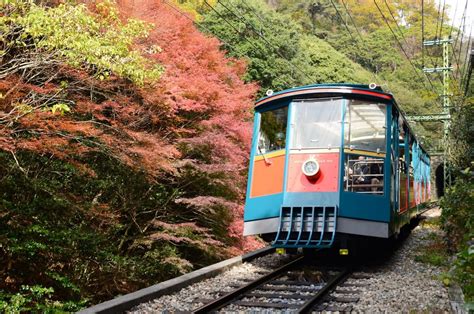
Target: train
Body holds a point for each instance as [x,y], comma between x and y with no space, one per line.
[331,166]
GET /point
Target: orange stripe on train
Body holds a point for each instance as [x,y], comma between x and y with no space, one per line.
[267,178]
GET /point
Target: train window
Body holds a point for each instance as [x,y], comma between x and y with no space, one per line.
[363,174]
[366,124]
[272,134]
[317,124]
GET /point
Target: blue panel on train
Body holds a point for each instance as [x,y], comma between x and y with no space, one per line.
[263,207]
[364,206]
[311,199]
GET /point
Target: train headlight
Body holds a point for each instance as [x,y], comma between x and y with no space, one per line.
[310,168]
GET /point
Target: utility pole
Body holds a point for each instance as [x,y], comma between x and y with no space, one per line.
[445,115]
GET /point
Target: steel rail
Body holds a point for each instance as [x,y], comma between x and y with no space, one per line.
[307,307]
[231,296]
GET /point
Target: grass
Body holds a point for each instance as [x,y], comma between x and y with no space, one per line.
[434,250]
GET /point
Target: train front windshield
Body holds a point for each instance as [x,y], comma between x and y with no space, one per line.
[317,124]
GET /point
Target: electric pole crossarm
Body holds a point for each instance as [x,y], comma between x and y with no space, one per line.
[430,117]
[436,42]
[439,69]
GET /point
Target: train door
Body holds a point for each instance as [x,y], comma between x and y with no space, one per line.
[411,174]
[395,175]
[269,160]
[403,168]
[367,174]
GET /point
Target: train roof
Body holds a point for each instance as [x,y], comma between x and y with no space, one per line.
[334,88]
[338,89]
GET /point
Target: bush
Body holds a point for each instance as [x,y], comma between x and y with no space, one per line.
[458,222]
[99,43]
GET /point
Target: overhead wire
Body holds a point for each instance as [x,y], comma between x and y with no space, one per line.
[460,45]
[400,45]
[405,40]
[247,23]
[343,21]
[210,31]
[457,37]
[352,20]
[237,31]
[442,20]
[462,18]
[253,12]
[454,18]
[437,19]
[451,32]
[422,33]
[376,77]
[469,73]
[465,65]
[194,21]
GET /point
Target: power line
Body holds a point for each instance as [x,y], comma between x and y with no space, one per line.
[400,45]
[435,63]
[406,42]
[253,12]
[450,34]
[241,34]
[194,22]
[210,31]
[360,36]
[247,23]
[442,20]
[422,33]
[469,73]
[352,20]
[437,20]
[200,25]
[469,44]
[343,21]
[462,37]
[462,18]
[454,18]
[231,25]
[458,62]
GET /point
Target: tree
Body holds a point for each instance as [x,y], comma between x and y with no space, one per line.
[113,175]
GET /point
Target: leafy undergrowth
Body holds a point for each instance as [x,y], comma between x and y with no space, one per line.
[123,152]
[458,222]
[56,232]
[434,250]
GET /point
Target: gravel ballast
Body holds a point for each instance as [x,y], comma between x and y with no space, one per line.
[399,285]
[404,284]
[189,298]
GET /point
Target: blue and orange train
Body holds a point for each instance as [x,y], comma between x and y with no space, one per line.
[331,163]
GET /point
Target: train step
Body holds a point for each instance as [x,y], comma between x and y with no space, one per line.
[306,227]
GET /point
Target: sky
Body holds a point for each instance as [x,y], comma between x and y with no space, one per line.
[460,9]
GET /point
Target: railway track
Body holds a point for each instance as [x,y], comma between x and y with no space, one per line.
[294,287]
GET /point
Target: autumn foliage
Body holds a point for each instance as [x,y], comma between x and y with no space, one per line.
[109,185]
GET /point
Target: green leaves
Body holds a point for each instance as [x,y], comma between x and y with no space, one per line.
[458,222]
[98,43]
[62,108]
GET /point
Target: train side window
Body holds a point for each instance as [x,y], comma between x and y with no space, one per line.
[366,128]
[272,134]
[364,174]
